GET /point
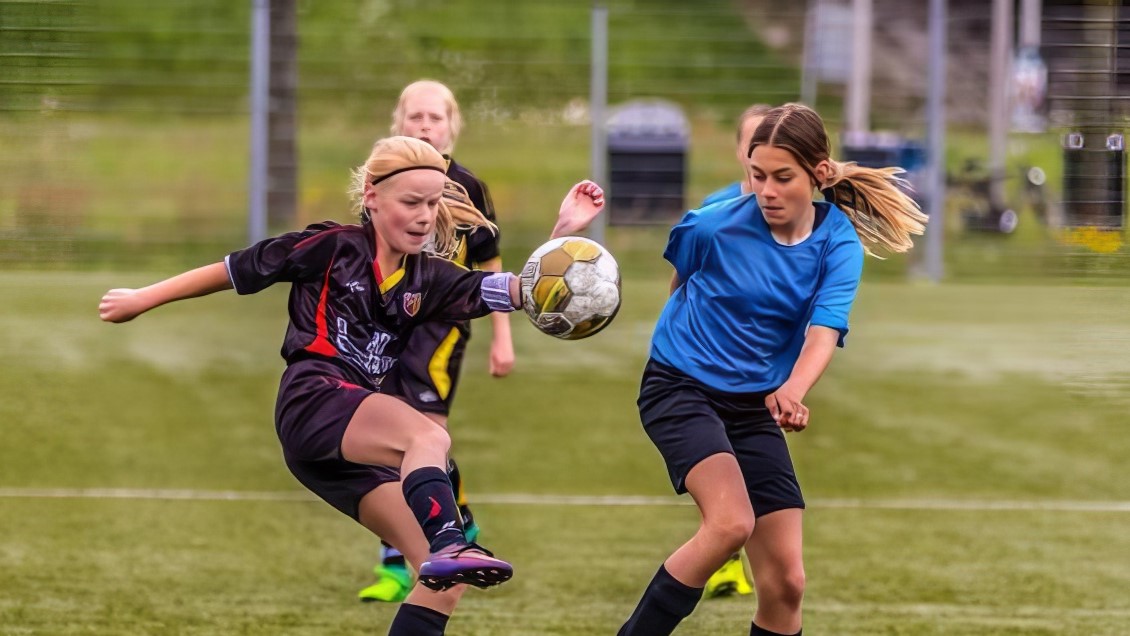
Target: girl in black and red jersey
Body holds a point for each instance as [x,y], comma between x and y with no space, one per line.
[428,376]
[357,293]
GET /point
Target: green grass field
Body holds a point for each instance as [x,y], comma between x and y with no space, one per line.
[965,471]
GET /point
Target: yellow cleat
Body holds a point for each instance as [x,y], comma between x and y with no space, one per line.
[729,579]
[392,586]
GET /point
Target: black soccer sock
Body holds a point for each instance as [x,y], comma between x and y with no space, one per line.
[416,620]
[465,517]
[665,603]
[428,493]
[456,482]
[390,556]
[754,630]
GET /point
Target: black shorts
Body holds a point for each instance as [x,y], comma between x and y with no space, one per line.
[428,370]
[688,422]
[316,401]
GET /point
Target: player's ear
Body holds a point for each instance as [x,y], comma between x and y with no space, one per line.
[823,173]
[369,197]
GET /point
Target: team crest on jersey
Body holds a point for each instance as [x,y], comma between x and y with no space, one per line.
[412,303]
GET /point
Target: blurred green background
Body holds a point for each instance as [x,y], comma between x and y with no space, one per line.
[966,464]
[125,124]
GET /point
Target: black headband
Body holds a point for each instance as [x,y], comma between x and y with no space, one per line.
[396,172]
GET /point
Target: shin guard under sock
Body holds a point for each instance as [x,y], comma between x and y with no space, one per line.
[665,603]
[416,620]
[428,493]
[754,630]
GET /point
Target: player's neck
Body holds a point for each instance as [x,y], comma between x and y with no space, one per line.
[796,231]
[388,259]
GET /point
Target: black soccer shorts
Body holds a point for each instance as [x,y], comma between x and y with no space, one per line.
[688,422]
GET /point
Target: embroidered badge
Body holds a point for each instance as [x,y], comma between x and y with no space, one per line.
[412,303]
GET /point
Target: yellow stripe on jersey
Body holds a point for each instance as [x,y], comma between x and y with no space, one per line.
[437,367]
[460,255]
[391,280]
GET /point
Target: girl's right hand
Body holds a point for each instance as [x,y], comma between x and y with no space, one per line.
[581,205]
[121,305]
[787,410]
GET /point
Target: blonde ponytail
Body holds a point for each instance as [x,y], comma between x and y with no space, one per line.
[456,212]
[876,201]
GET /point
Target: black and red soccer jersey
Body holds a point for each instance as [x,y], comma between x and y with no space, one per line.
[343,308]
[480,244]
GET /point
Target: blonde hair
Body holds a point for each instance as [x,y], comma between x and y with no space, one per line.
[755,110]
[393,155]
[455,119]
[874,199]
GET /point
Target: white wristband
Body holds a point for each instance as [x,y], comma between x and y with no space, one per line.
[496,291]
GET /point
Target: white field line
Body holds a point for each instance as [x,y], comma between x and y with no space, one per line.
[970,613]
[529,499]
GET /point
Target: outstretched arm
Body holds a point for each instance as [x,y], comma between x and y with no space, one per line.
[123,305]
[581,205]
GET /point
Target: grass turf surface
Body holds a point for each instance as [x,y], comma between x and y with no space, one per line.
[954,396]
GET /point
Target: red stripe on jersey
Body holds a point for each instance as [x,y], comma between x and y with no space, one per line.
[377,267]
[319,235]
[321,344]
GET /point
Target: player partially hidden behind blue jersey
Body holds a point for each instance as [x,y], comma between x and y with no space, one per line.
[764,286]
[357,293]
[747,123]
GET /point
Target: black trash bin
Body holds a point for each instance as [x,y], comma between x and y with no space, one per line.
[647,163]
[1094,180]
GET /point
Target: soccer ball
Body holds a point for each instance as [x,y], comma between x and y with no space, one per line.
[571,287]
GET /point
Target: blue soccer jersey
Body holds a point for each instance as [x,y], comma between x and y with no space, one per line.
[732,191]
[738,320]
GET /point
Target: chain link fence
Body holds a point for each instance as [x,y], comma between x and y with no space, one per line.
[124,124]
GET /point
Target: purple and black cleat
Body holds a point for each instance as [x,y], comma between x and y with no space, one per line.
[467,563]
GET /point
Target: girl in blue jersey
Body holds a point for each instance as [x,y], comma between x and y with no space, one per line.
[357,293]
[731,577]
[766,282]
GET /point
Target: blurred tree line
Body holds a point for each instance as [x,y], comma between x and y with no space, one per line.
[501,57]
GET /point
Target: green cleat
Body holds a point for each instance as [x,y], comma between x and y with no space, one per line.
[392,586]
[471,532]
[729,579]
[394,582]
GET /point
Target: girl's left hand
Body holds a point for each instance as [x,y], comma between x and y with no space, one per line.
[580,206]
[785,406]
[501,357]
[121,305]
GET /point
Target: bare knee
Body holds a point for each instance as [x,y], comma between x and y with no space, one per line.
[731,531]
[792,588]
[785,588]
[433,439]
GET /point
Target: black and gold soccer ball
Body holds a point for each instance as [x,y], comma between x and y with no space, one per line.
[571,287]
